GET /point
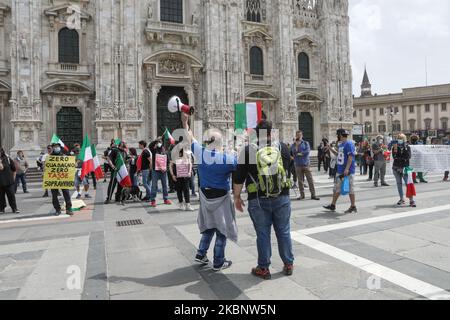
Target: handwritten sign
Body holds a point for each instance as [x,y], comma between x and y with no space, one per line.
[59,172]
[434,158]
[183,169]
[160,162]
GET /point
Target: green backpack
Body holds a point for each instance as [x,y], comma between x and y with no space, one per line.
[272,177]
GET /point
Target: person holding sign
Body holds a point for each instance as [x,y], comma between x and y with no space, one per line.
[401,152]
[180,172]
[57,151]
[159,172]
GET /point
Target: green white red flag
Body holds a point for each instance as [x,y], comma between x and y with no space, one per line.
[122,175]
[168,136]
[56,139]
[87,158]
[247,115]
[97,166]
[410,188]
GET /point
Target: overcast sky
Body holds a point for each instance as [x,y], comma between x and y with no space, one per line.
[395,38]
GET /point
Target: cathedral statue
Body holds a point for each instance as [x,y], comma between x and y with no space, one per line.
[23,47]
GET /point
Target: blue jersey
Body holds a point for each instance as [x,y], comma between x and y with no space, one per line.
[346,149]
[214,168]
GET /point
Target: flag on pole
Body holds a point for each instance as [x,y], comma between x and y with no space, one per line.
[247,115]
[168,136]
[122,176]
[410,188]
[87,158]
[56,139]
[97,167]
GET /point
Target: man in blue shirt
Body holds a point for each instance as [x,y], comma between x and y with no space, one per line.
[346,165]
[300,151]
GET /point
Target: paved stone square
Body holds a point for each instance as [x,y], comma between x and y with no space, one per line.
[384,252]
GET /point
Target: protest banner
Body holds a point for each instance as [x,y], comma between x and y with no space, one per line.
[431,158]
[59,172]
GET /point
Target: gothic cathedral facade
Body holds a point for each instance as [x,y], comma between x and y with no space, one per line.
[108,67]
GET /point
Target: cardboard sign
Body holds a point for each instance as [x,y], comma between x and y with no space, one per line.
[59,172]
[183,169]
[160,162]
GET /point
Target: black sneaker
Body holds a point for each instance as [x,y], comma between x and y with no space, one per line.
[315,198]
[45,195]
[351,210]
[202,260]
[69,212]
[16,211]
[58,213]
[331,207]
[385,185]
[106,201]
[224,266]
[375,184]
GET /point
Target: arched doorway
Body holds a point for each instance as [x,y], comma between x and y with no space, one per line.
[306,124]
[166,119]
[69,126]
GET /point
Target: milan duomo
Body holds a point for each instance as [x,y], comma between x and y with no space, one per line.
[107,68]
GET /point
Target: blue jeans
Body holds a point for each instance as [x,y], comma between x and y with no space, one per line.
[219,247]
[156,176]
[146,183]
[20,178]
[399,177]
[265,213]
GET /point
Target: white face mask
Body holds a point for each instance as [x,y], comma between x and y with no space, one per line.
[159,145]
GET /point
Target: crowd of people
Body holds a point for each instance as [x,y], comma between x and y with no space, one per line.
[262,168]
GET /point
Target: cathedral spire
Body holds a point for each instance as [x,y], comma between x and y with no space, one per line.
[366,87]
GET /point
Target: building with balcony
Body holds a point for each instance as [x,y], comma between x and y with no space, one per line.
[423,110]
[108,68]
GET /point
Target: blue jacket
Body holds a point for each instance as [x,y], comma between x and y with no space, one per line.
[305,150]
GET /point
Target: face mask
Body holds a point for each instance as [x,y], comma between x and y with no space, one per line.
[159,145]
[57,149]
[401,142]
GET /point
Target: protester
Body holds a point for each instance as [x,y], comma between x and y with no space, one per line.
[401,152]
[145,167]
[368,158]
[57,151]
[111,159]
[326,156]
[301,150]
[21,171]
[262,168]
[106,166]
[345,168]
[216,213]
[159,172]
[7,182]
[378,150]
[78,180]
[180,172]
[321,157]
[132,162]
[361,159]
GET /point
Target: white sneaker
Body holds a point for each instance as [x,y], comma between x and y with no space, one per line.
[188,207]
[181,206]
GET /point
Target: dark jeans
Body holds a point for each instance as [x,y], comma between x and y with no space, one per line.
[182,187]
[111,187]
[219,247]
[8,192]
[94,180]
[265,213]
[156,176]
[369,167]
[446,174]
[67,199]
[20,178]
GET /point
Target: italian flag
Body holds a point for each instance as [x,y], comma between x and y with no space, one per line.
[410,188]
[97,166]
[87,158]
[56,139]
[122,176]
[168,136]
[247,115]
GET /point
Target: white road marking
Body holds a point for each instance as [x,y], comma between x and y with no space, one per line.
[419,287]
[34,219]
[357,223]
